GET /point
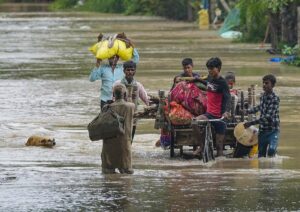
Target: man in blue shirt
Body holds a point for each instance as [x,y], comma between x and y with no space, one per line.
[108,74]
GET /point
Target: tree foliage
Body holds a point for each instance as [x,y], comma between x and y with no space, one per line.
[106,6]
[276,5]
[63,4]
[174,9]
[253,19]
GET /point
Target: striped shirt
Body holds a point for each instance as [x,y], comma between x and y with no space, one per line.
[269,112]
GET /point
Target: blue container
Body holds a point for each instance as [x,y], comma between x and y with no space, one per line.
[276,59]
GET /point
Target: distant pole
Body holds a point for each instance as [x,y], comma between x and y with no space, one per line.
[189,11]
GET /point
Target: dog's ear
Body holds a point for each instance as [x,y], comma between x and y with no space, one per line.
[43,141]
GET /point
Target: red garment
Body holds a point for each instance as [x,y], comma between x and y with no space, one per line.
[178,115]
[218,96]
[214,102]
[190,97]
[233,91]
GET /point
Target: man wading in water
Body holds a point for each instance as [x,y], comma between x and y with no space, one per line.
[108,74]
[116,151]
[135,89]
[218,103]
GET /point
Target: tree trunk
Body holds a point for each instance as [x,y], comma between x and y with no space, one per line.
[189,11]
[212,7]
[275,29]
[289,24]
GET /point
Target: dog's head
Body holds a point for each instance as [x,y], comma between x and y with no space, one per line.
[48,142]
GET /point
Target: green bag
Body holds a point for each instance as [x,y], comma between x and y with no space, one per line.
[108,124]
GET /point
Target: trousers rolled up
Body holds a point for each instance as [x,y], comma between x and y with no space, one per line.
[267,143]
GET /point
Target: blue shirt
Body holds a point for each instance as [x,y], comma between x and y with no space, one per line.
[108,77]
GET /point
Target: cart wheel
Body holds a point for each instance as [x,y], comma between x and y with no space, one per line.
[181,150]
[172,145]
[205,157]
[172,151]
[211,151]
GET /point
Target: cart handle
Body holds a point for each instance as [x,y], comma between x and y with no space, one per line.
[196,121]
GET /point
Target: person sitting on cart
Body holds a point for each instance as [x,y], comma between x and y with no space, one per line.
[230,79]
[187,65]
[188,74]
[218,103]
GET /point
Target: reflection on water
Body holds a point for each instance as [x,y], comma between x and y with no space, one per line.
[44,65]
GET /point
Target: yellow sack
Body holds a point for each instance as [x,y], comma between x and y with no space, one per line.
[253,151]
[203,19]
[102,51]
[123,52]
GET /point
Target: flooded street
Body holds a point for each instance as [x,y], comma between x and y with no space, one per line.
[44,89]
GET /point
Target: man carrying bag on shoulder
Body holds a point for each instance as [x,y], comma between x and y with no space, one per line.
[116,150]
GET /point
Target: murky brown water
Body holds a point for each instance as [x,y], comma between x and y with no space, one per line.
[44,89]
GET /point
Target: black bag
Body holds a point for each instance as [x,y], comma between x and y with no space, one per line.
[108,124]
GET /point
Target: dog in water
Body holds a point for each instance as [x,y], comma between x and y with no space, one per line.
[36,140]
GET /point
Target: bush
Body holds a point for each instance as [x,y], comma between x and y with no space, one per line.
[63,4]
[173,9]
[105,6]
[293,54]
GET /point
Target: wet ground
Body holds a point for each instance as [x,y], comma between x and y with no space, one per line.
[44,68]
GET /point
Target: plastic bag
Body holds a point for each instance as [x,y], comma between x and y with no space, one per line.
[123,52]
[102,50]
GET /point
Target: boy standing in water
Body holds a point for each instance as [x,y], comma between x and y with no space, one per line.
[269,118]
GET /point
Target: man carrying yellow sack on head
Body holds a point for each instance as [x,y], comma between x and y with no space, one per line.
[111,72]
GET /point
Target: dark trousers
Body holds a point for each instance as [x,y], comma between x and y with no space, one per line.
[102,103]
[133,132]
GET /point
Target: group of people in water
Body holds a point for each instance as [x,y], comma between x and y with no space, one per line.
[122,91]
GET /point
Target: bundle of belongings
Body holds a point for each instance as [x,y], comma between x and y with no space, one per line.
[187,100]
[111,45]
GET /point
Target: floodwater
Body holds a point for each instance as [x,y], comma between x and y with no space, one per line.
[44,89]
